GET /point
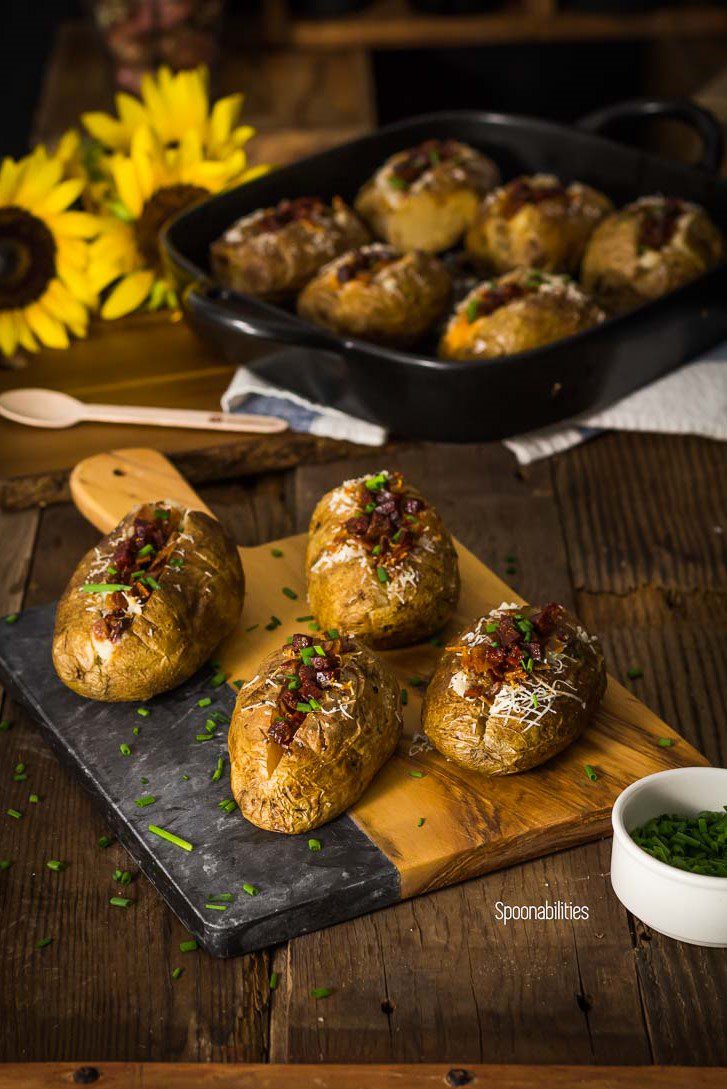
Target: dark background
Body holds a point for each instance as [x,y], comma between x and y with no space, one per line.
[561,81]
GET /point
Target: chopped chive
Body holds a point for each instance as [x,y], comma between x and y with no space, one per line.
[11,618]
[223,898]
[144,780]
[666,742]
[204,737]
[124,877]
[142,803]
[304,708]
[417,682]
[216,907]
[229,806]
[185,778]
[314,845]
[238,683]
[472,310]
[136,731]
[34,799]
[120,901]
[103,587]
[290,593]
[217,773]
[382,574]
[313,626]
[210,725]
[177,973]
[590,772]
[15,814]
[170,837]
[19,778]
[55,865]
[535,701]
[105,841]
[510,570]
[188,946]
[252,627]
[218,679]
[321,992]
[43,943]
[273,981]
[333,633]
[404,697]
[214,664]
[146,550]
[303,619]
[5,725]
[143,711]
[19,768]
[634,673]
[5,863]
[416,774]
[162,513]
[420,822]
[251,890]
[148,580]
[124,749]
[277,552]
[204,702]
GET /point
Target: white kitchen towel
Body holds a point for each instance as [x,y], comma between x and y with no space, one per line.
[250,393]
[689,401]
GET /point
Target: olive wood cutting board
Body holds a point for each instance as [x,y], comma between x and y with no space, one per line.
[379,853]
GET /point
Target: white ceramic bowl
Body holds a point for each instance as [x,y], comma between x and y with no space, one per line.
[686,906]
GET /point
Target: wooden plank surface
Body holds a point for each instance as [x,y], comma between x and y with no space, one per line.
[423,1076]
[436,977]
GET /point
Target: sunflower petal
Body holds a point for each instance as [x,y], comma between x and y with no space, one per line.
[224,115]
[22,330]
[128,295]
[61,303]
[40,175]
[75,225]
[124,175]
[48,329]
[106,129]
[9,174]
[8,334]
[60,198]
[131,112]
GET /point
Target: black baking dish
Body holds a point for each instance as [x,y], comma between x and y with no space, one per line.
[418,395]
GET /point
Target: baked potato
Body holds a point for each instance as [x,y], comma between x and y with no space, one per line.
[378,294]
[310,731]
[380,563]
[274,252]
[525,309]
[536,222]
[648,248]
[517,687]
[424,198]
[145,608]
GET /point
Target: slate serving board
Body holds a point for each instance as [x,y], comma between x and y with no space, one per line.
[381,851]
[299,889]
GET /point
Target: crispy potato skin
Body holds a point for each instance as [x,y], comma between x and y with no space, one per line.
[434,212]
[557,309]
[622,277]
[471,732]
[345,593]
[332,758]
[398,305]
[275,265]
[178,628]
[551,235]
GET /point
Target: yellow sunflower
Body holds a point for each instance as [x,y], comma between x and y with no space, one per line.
[150,185]
[45,289]
[173,105]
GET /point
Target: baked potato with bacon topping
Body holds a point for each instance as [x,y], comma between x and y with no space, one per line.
[381,565]
[273,252]
[514,689]
[524,309]
[425,197]
[378,294]
[536,222]
[310,731]
[146,607]
[651,246]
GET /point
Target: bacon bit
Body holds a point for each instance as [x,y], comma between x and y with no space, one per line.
[492,298]
[390,530]
[521,191]
[659,223]
[292,211]
[364,263]
[514,645]
[418,160]
[310,674]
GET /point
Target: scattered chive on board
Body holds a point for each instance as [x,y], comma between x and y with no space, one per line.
[314,845]
[416,774]
[43,943]
[143,711]
[321,992]
[634,673]
[177,973]
[666,742]
[251,890]
[591,772]
[125,749]
[105,841]
[188,946]
[142,803]
[204,702]
[273,981]
[120,901]
[55,865]
[170,837]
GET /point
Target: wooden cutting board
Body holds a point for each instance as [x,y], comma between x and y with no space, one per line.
[380,852]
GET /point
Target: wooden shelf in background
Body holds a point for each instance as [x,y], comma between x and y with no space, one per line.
[393,24]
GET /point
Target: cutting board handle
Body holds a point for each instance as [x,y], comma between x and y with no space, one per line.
[106,486]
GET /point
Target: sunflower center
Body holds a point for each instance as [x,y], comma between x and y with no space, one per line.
[27,258]
[160,208]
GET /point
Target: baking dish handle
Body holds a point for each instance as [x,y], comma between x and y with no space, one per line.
[675,109]
[223,311]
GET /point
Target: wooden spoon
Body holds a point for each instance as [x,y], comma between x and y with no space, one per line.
[51,408]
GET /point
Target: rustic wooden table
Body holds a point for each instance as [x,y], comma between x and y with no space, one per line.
[628,529]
